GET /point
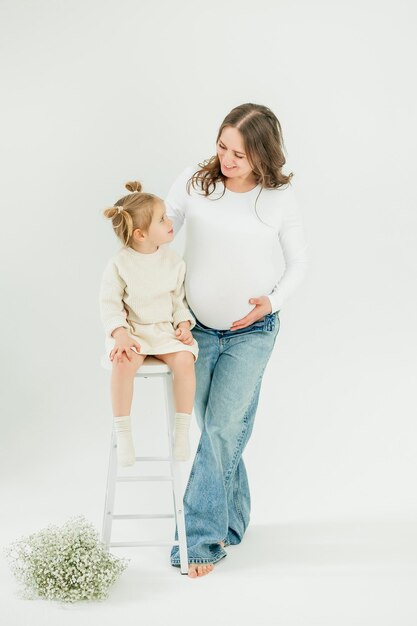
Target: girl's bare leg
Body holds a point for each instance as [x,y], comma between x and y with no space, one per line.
[122,377]
[121,392]
[182,366]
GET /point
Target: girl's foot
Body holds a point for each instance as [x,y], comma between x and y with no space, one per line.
[125,445]
[181,443]
[199,569]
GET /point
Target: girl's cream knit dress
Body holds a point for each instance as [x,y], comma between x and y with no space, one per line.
[151,288]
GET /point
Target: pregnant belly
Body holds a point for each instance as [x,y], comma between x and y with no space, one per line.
[218,305]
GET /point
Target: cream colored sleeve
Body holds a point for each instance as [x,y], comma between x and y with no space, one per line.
[180,310]
[112,309]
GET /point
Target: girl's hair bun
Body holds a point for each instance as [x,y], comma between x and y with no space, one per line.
[133,186]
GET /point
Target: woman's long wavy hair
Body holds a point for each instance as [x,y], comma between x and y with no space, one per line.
[263,143]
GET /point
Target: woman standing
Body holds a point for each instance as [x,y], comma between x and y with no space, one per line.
[236,206]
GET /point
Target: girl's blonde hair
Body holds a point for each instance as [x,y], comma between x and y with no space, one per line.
[132,211]
[264,146]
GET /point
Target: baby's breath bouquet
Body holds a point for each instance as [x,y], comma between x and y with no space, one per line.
[67,563]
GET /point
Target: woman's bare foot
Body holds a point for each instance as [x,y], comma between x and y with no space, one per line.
[199,569]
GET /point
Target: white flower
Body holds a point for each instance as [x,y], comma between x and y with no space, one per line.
[67,563]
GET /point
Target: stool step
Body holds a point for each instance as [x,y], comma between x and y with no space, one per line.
[133,544]
[171,474]
[136,478]
[144,516]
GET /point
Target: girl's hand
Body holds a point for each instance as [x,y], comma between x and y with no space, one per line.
[262,308]
[123,346]
[184,335]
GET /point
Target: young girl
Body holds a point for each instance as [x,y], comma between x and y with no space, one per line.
[144,311]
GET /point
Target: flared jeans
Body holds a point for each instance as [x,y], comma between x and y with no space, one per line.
[229,373]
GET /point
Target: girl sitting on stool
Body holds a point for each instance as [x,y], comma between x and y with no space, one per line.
[144,311]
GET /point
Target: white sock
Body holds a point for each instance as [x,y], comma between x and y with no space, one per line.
[181,443]
[125,447]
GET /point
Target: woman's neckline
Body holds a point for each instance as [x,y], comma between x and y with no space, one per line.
[242,193]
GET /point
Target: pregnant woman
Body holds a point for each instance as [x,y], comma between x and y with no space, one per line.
[237,206]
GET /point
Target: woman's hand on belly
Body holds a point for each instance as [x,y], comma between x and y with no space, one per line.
[262,308]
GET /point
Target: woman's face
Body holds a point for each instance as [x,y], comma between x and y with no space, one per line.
[232,156]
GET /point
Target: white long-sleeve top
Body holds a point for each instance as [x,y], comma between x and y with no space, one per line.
[229,249]
[150,285]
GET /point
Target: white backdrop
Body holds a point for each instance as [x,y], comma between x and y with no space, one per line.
[97,93]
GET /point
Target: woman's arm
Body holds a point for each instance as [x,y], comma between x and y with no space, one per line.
[175,201]
[294,249]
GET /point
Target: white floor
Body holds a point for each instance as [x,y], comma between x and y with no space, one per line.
[337,574]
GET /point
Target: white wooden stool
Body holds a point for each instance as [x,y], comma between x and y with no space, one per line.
[152,367]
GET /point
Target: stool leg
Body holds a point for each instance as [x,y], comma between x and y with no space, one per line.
[176,475]
[110,490]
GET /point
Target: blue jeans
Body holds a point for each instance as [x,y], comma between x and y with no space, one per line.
[229,373]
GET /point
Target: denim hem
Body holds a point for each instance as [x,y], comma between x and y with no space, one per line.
[202,561]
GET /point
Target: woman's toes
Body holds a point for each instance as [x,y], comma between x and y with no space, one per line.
[199,569]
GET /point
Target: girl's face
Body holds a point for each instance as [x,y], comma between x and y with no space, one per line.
[231,152]
[160,230]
